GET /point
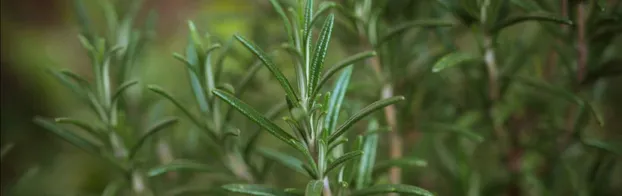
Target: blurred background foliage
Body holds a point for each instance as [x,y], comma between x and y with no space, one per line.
[446,119]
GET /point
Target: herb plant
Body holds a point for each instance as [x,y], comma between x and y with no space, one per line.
[478,97]
[110,137]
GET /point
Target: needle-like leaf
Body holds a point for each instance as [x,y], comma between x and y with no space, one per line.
[68,136]
[361,114]
[392,188]
[83,125]
[117,94]
[368,159]
[451,60]
[343,64]
[320,54]
[253,189]
[180,165]
[284,159]
[336,98]
[546,17]
[343,159]
[253,115]
[289,91]
[288,29]
[187,112]
[159,126]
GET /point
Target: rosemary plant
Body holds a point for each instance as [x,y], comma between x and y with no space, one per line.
[213,121]
[312,115]
[112,56]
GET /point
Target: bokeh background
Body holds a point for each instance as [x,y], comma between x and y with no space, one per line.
[42,34]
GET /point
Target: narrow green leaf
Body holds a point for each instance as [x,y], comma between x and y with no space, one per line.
[156,128]
[83,125]
[545,17]
[284,159]
[68,136]
[270,115]
[195,190]
[71,84]
[122,88]
[196,40]
[337,144]
[413,24]
[320,54]
[83,19]
[336,98]
[367,162]
[403,163]
[77,78]
[196,78]
[321,155]
[253,189]
[186,62]
[343,159]
[180,165]
[314,188]
[392,188]
[289,91]
[253,115]
[451,60]
[343,64]
[187,112]
[361,114]
[307,19]
[615,148]
[241,87]
[288,29]
[323,8]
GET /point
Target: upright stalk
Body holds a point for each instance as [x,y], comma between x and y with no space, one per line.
[581,43]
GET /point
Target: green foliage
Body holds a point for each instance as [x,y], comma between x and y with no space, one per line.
[462,97]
